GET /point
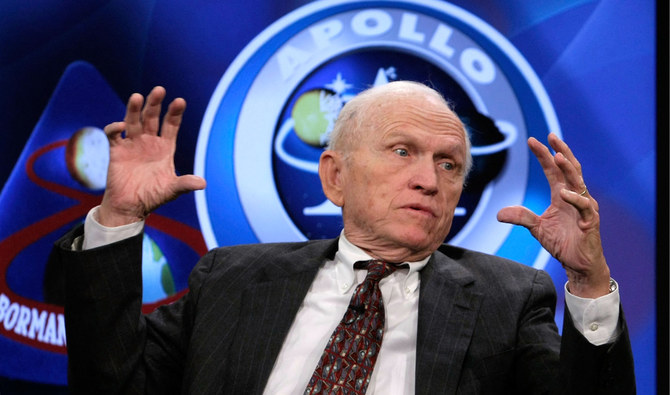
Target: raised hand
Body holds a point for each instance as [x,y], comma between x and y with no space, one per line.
[569,228]
[141,174]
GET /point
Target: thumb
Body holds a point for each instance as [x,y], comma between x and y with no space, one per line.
[518,215]
[189,183]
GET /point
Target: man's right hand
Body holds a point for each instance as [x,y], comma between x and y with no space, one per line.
[141,174]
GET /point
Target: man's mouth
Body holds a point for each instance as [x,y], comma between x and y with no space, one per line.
[421,209]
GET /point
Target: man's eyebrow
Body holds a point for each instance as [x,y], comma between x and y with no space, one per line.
[399,135]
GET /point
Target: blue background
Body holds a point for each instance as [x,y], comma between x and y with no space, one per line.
[596,60]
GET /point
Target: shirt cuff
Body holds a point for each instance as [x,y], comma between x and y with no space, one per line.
[596,319]
[97,235]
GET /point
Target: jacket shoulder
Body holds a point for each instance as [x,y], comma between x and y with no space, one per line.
[492,272]
[277,258]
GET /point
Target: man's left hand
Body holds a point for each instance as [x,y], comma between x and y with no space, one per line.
[569,228]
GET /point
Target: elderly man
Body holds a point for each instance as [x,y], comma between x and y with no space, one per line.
[419,317]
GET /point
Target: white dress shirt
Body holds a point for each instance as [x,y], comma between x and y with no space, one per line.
[321,311]
[328,298]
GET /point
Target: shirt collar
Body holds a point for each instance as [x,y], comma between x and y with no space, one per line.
[348,254]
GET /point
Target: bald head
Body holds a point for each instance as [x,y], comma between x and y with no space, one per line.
[365,110]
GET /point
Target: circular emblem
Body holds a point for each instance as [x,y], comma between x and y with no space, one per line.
[270,116]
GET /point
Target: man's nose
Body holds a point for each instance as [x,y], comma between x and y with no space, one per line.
[424,176]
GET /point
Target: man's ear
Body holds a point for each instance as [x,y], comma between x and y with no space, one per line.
[330,171]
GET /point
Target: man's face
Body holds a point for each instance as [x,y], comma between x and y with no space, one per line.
[403,180]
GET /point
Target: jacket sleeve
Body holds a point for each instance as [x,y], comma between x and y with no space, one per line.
[112,347]
[583,367]
[607,369]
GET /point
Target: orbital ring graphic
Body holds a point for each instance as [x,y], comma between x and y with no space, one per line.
[298,163]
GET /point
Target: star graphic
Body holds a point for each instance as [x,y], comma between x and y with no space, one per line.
[339,84]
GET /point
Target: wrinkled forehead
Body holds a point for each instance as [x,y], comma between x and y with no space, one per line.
[423,110]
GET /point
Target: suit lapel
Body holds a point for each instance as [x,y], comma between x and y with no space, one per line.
[448,311]
[268,309]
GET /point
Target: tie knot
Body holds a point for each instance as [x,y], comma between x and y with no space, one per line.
[377,269]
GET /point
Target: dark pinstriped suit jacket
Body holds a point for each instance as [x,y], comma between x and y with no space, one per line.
[485,325]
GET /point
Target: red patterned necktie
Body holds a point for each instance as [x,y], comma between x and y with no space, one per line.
[349,357]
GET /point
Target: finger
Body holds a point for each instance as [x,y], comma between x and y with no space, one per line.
[581,203]
[572,176]
[152,110]
[114,131]
[133,113]
[518,215]
[576,178]
[172,119]
[561,146]
[546,160]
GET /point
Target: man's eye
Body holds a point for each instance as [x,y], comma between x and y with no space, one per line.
[447,165]
[401,151]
